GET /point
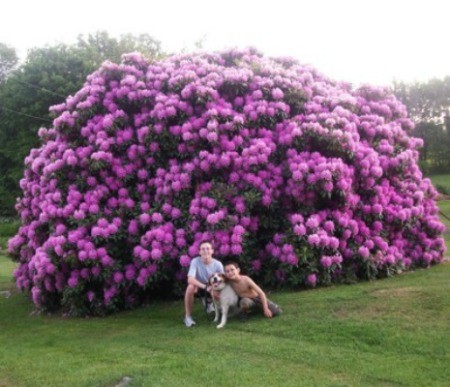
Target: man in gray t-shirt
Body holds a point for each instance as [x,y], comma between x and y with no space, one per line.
[200,269]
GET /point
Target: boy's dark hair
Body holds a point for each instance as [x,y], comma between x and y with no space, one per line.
[234,263]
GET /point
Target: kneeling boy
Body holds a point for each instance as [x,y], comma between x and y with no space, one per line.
[251,295]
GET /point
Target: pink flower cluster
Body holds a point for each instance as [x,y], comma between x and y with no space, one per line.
[302,179]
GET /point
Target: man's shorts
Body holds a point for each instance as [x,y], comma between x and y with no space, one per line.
[256,304]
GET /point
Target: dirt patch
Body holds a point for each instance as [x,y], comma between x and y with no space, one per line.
[396,292]
[341,313]
[442,196]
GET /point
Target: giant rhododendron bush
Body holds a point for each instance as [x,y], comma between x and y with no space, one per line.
[303,180]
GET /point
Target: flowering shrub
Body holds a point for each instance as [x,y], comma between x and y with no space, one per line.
[302,179]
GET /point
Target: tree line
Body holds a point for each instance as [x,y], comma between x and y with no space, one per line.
[50,74]
[428,104]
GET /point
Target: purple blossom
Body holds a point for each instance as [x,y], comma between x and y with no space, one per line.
[185,260]
[364,252]
[311,280]
[299,230]
[90,296]
[313,239]
[145,219]
[256,265]
[236,249]
[118,277]
[277,93]
[72,282]
[157,217]
[156,254]
[326,261]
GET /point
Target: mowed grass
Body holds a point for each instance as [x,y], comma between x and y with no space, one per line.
[392,332]
[8,228]
[441,180]
[444,205]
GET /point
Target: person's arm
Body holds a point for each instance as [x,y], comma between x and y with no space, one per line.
[194,281]
[262,296]
[192,275]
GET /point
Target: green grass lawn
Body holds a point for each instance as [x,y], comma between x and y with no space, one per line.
[441,180]
[8,228]
[444,207]
[392,332]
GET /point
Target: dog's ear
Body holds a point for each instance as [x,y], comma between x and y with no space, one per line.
[224,277]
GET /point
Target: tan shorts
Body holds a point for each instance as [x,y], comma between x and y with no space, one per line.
[256,304]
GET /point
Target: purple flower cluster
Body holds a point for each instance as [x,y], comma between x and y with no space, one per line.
[302,179]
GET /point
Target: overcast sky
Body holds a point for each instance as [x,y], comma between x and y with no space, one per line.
[360,41]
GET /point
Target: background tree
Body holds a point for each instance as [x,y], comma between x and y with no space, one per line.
[98,47]
[428,105]
[8,60]
[46,78]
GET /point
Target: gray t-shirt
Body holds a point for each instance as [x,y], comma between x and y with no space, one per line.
[202,272]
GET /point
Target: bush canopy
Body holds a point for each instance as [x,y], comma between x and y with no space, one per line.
[304,180]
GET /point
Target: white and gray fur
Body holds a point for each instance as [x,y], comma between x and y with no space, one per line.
[228,298]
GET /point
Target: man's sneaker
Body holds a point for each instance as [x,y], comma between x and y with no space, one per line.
[189,322]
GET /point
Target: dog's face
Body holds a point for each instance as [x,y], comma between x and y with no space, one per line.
[217,281]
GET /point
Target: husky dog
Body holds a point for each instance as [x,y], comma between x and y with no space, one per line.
[224,297]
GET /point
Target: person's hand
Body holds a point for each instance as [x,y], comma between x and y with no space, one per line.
[267,313]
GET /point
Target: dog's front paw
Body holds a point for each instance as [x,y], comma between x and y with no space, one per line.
[220,326]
